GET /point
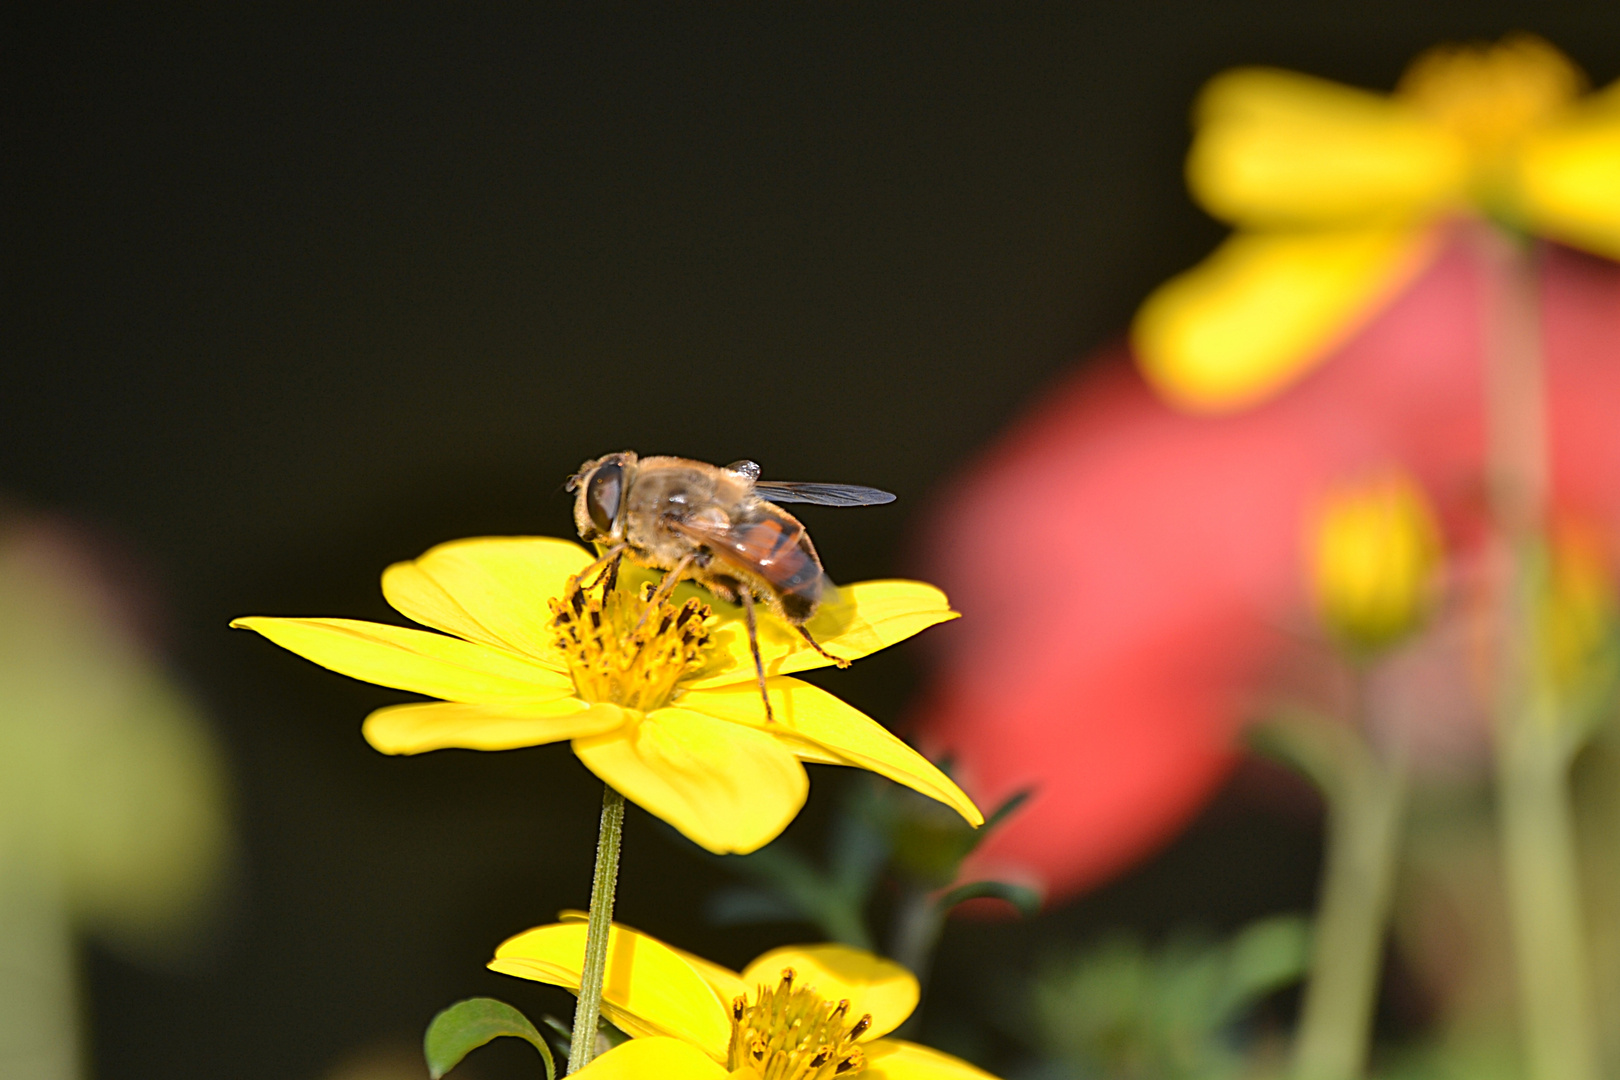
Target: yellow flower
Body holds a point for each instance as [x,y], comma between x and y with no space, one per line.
[809,1012]
[1375,552]
[1335,191]
[665,708]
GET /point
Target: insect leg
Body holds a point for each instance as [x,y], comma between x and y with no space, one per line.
[839,660]
[753,647]
[609,577]
[608,559]
[665,587]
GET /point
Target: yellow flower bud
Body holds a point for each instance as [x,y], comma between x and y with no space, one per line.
[1375,550]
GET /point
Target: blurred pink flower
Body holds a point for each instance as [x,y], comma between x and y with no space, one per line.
[1128,571]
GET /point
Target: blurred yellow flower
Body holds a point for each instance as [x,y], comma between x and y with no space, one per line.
[1335,191]
[809,1012]
[1375,551]
[664,708]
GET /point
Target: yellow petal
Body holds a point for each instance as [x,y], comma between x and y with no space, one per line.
[1569,177]
[436,725]
[895,1059]
[858,621]
[845,734]
[648,988]
[1279,149]
[653,1059]
[727,787]
[490,589]
[726,983]
[1264,308]
[872,984]
[416,660]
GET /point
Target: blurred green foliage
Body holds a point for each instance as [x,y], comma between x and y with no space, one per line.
[1123,1010]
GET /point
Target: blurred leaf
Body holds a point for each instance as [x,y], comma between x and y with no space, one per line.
[930,843]
[1264,957]
[860,847]
[1478,1057]
[562,1032]
[802,892]
[1122,1010]
[467,1025]
[1022,897]
[877,826]
[746,906]
[1000,814]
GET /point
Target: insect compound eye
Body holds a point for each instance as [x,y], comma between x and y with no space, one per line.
[602,493]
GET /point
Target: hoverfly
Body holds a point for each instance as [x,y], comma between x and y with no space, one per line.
[718,525]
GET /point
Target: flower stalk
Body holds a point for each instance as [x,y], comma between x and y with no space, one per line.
[1366,803]
[1535,740]
[588,1011]
[39,998]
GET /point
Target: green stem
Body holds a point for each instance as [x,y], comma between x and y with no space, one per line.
[918,923]
[1365,803]
[39,1021]
[589,1009]
[1538,855]
[1533,741]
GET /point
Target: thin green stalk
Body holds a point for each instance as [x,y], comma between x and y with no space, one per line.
[1533,744]
[589,1009]
[1365,804]
[918,924]
[39,1016]
[1538,854]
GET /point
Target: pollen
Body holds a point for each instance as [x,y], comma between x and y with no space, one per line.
[791,1033]
[626,647]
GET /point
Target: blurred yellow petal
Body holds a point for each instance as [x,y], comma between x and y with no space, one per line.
[727,787]
[1277,148]
[1265,307]
[436,725]
[415,660]
[872,984]
[653,1059]
[1569,177]
[648,989]
[858,621]
[895,1059]
[489,589]
[849,736]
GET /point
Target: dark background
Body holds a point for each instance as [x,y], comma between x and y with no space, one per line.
[294,293]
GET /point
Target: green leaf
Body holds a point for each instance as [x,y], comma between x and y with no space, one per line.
[467,1025]
[1022,897]
[1265,956]
[1000,814]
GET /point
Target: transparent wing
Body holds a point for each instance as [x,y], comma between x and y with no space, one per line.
[793,491]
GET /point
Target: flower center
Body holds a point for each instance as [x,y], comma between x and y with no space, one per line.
[1491,95]
[621,649]
[791,1033]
